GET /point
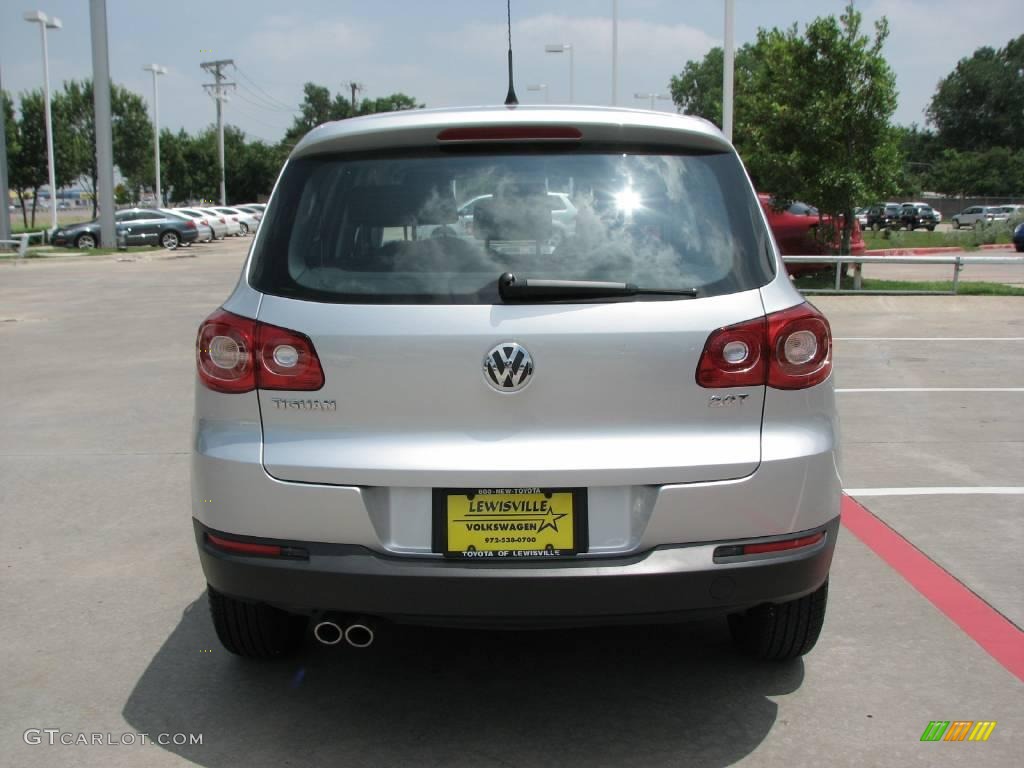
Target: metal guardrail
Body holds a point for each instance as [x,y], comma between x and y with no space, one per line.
[957,262]
[21,243]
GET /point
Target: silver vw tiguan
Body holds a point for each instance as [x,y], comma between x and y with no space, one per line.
[404,414]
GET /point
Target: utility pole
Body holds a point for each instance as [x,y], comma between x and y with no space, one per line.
[5,219]
[104,135]
[218,89]
[355,88]
[156,69]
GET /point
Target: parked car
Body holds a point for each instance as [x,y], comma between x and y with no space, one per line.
[1018,237]
[918,216]
[639,425]
[203,228]
[977,216]
[884,216]
[862,217]
[563,219]
[1010,210]
[936,211]
[252,209]
[247,222]
[231,223]
[215,222]
[795,228]
[139,226]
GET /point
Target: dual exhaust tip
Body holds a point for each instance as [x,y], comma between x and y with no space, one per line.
[358,634]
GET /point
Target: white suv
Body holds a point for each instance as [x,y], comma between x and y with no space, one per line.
[633,424]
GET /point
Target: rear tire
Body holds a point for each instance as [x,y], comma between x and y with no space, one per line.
[783,631]
[255,631]
[243,229]
[170,240]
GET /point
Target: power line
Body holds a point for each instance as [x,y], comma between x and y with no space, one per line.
[270,97]
[261,105]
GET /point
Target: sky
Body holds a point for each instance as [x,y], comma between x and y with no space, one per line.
[450,52]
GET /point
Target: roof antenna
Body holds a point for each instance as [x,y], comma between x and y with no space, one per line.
[510,98]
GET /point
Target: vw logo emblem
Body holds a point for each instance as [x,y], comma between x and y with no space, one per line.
[508,367]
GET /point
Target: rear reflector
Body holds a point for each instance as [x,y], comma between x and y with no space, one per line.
[243,547]
[780,546]
[512,133]
[739,550]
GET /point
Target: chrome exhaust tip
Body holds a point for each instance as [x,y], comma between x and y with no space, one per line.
[359,635]
[328,633]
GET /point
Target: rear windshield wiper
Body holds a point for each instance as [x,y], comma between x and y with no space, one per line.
[512,288]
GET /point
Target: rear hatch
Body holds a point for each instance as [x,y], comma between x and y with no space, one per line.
[424,360]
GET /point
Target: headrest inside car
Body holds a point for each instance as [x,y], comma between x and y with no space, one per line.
[397,205]
[513,218]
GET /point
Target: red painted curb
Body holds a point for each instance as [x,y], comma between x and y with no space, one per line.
[933,250]
[999,637]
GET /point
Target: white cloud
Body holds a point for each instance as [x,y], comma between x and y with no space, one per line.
[290,39]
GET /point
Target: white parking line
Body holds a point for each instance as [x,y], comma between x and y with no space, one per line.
[932,389]
[929,338]
[1011,490]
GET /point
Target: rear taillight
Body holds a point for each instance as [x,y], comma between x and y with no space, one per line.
[235,354]
[223,220]
[205,222]
[791,349]
[190,224]
[234,218]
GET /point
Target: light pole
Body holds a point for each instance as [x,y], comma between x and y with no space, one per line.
[563,48]
[652,97]
[539,87]
[46,22]
[728,57]
[156,69]
[615,53]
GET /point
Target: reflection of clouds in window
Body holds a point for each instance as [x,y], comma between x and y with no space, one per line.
[657,221]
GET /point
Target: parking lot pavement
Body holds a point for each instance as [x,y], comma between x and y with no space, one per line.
[105,627]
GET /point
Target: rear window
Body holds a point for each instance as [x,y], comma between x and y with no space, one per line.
[439,226]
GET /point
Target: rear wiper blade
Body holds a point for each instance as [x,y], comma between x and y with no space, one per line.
[512,288]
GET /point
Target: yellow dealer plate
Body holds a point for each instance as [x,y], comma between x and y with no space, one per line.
[509,523]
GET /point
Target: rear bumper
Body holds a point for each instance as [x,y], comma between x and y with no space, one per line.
[665,583]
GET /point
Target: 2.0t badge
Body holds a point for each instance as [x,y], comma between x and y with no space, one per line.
[508,367]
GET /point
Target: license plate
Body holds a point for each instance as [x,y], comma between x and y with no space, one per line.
[510,523]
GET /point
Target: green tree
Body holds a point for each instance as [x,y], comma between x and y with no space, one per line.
[318,107]
[132,136]
[819,110]
[998,171]
[28,169]
[697,90]
[980,104]
[130,126]
[14,151]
